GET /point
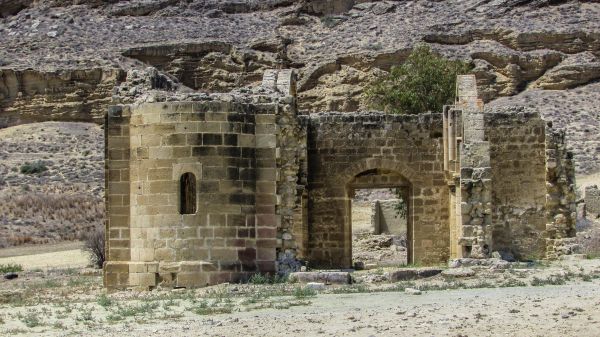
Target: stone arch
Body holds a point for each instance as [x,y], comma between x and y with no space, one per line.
[376,163]
[379,167]
[342,146]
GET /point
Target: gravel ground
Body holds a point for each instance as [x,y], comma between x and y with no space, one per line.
[572,310]
[554,299]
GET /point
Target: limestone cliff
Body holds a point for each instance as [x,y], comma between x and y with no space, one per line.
[69,95]
[60,59]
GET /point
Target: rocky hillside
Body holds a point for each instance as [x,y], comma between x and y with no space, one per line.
[51,182]
[60,58]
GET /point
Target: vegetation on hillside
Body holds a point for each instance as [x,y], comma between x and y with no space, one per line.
[425,82]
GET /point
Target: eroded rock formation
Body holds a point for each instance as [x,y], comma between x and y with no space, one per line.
[337,48]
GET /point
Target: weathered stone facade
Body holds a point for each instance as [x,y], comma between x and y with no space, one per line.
[213,188]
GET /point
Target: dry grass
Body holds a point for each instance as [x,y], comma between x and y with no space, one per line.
[44,218]
[60,201]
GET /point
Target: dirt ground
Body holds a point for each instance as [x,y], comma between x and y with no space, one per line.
[572,310]
[40,249]
[75,258]
[522,299]
[374,250]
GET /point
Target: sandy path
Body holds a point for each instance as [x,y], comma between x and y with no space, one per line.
[74,258]
[569,310]
[40,249]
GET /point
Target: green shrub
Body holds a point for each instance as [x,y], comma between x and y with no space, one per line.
[551,280]
[203,308]
[10,268]
[331,21]
[304,292]
[259,279]
[31,319]
[104,301]
[33,168]
[425,82]
[134,310]
[266,279]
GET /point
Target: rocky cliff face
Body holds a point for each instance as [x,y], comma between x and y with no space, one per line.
[60,58]
[75,95]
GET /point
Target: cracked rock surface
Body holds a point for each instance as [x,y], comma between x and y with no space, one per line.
[61,55]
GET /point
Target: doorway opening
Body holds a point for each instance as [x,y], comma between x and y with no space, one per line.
[379,222]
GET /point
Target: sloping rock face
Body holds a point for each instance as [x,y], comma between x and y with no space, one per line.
[337,47]
[66,95]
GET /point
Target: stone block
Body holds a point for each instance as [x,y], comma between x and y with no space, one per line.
[326,277]
[266,141]
[406,274]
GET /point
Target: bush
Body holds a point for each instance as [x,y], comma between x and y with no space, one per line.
[33,168]
[304,292]
[10,268]
[425,82]
[104,301]
[94,245]
[259,279]
[266,279]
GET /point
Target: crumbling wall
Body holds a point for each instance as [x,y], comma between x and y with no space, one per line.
[291,166]
[561,209]
[518,173]
[592,199]
[342,146]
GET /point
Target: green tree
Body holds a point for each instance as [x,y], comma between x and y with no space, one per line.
[425,82]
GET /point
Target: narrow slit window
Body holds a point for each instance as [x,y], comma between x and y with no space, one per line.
[187,186]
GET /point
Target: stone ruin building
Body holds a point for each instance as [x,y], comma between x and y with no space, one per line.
[212,188]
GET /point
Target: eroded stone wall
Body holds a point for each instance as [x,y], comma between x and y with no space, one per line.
[117,198]
[344,147]
[518,172]
[592,199]
[561,209]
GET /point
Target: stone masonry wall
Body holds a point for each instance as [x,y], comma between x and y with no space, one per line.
[344,146]
[518,161]
[232,149]
[117,197]
[386,219]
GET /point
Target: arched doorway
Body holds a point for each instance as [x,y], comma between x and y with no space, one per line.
[387,237]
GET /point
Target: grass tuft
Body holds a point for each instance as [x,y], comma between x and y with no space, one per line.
[10,268]
[104,301]
[304,292]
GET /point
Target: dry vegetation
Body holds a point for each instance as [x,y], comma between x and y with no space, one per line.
[51,182]
[73,301]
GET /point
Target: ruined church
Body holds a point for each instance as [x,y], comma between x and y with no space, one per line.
[217,187]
